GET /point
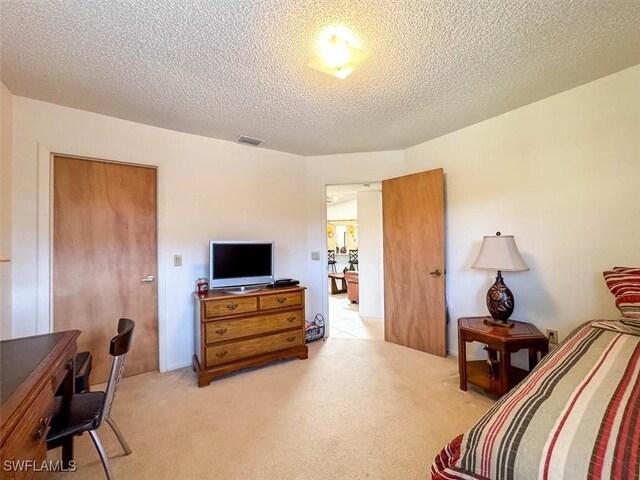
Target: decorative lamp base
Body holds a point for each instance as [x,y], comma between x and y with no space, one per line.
[500,301]
[492,322]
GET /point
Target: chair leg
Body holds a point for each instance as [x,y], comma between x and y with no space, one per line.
[103,455]
[116,430]
[67,451]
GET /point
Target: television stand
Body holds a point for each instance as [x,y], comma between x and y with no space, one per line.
[241,290]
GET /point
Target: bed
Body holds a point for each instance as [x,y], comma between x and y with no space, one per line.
[575,416]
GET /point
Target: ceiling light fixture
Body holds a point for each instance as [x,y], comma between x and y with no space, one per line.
[338,52]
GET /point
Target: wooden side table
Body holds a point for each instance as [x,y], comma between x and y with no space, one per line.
[496,375]
[334,284]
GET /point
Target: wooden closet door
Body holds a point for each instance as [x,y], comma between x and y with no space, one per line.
[413,243]
[104,244]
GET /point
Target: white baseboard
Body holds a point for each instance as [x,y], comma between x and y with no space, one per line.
[177,366]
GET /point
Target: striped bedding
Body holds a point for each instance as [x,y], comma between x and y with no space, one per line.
[576,416]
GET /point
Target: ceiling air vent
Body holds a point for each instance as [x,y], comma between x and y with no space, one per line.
[254,142]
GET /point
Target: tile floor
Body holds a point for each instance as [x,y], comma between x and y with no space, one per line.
[345,321]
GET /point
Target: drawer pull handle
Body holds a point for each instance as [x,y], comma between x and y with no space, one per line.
[221,354]
[281,300]
[38,433]
[221,331]
[290,339]
[291,319]
[232,306]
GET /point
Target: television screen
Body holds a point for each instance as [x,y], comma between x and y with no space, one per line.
[240,263]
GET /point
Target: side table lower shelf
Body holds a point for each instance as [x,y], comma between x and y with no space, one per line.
[478,375]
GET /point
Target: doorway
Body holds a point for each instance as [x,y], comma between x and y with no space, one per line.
[410,292]
[354,260]
[104,257]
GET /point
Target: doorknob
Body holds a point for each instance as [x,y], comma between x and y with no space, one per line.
[435,273]
[148,279]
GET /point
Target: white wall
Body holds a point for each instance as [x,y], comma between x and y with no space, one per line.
[341,169]
[370,254]
[6,132]
[342,211]
[560,174]
[563,176]
[207,189]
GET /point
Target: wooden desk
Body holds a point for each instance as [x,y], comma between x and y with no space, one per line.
[496,375]
[334,285]
[31,370]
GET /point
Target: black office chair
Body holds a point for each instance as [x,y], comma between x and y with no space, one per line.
[87,411]
[331,260]
[353,259]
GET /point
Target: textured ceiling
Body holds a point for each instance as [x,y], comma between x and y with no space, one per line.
[228,67]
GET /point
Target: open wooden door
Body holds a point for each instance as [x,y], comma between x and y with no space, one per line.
[413,236]
[105,258]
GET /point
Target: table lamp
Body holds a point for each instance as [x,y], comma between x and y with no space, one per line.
[500,252]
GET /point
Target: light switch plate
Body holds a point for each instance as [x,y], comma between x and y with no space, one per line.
[177,260]
[315,256]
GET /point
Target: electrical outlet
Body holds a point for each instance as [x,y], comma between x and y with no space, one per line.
[315,256]
[177,260]
[552,335]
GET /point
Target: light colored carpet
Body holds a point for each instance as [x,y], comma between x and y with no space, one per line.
[356,409]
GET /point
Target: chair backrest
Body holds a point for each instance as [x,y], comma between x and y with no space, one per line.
[121,343]
[118,348]
[353,256]
[331,256]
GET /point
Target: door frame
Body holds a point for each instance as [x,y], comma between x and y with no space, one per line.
[324,255]
[44,262]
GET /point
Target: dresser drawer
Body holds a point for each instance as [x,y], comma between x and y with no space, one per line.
[219,354]
[230,306]
[27,441]
[244,327]
[279,300]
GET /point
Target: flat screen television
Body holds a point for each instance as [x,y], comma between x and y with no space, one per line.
[238,264]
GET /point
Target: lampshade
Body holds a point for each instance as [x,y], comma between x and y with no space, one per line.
[500,252]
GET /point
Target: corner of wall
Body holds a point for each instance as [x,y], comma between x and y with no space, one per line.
[6,161]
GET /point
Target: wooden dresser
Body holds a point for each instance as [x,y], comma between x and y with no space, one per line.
[239,331]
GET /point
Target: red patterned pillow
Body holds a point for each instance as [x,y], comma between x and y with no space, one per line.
[634,270]
[624,283]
